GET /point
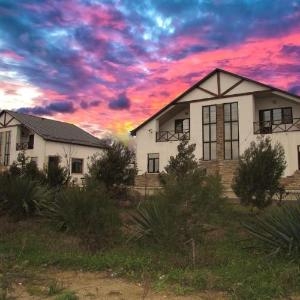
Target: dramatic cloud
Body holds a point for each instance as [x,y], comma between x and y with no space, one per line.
[122,102]
[52,108]
[108,65]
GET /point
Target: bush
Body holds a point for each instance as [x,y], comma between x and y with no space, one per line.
[27,168]
[57,176]
[89,214]
[258,174]
[20,197]
[278,230]
[188,200]
[114,168]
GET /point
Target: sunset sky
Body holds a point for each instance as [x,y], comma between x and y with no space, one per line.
[108,65]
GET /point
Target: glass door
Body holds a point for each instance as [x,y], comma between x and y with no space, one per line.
[265,121]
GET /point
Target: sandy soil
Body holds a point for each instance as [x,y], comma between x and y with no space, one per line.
[98,286]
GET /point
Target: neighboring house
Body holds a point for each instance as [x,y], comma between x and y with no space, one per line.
[44,141]
[222,114]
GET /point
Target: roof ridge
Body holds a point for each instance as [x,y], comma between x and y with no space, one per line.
[41,118]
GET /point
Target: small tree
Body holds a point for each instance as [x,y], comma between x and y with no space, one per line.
[189,196]
[115,168]
[184,162]
[258,174]
[25,167]
[57,175]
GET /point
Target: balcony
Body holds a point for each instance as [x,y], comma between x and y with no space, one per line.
[24,146]
[268,127]
[170,136]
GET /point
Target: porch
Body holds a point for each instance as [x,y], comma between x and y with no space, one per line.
[275,114]
[25,139]
[174,125]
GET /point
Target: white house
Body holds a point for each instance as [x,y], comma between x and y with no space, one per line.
[221,114]
[44,141]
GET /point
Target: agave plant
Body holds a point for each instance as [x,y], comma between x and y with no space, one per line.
[155,220]
[19,196]
[279,230]
[88,213]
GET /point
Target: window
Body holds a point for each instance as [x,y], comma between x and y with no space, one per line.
[7,137]
[182,125]
[287,115]
[209,132]
[153,163]
[77,165]
[31,141]
[275,116]
[231,131]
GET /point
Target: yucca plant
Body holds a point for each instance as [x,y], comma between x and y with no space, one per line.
[20,197]
[155,220]
[87,213]
[278,230]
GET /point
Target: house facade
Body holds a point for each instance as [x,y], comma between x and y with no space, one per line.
[46,142]
[222,114]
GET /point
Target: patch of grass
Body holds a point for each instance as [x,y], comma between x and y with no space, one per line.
[55,287]
[67,295]
[224,262]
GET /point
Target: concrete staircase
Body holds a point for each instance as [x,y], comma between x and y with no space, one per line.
[149,183]
[292,182]
[227,170]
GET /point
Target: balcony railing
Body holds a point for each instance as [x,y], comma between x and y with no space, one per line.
[166,136]
[268,127]
[24,146]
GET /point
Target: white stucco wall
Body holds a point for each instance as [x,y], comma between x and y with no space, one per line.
[145,137]
[69,151]
[145,140]
[248,109]
[248,113]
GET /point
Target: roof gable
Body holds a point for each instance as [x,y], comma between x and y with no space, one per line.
[218,84]
[56,131]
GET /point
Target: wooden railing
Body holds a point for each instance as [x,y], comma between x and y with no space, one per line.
[24,146]
[268,127]
[166,136]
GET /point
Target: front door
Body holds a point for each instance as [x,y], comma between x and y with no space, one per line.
[265,121]
[298,150]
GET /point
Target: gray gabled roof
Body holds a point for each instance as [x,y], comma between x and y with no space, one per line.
[57,131]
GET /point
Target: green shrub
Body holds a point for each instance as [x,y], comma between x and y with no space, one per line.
[189,198]
[258,174]
[115,168]
[88,213]
[20,197]
[278,230]
[57,176]
[27,168]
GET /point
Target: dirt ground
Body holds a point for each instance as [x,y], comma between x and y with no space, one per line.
[93,285]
